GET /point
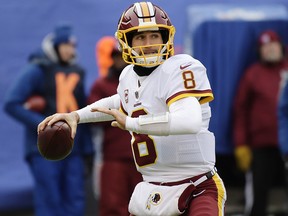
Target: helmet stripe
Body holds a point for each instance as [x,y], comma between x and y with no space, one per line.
[139,13]
[138,10]
[151,11]
[145,12]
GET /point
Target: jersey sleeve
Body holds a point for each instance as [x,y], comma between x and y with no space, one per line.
[187,77]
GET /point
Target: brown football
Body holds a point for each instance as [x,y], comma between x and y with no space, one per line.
[55,142]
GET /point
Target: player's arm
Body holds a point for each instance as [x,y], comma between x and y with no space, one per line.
[184,117]
[83,115]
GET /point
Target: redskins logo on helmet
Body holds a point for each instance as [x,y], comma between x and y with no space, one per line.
[139,17]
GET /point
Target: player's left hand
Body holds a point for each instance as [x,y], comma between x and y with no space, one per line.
[119,116]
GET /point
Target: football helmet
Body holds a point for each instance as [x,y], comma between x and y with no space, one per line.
[139,17]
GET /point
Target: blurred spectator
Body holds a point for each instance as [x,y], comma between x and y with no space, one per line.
[115,156]
[103,55]
[53,75]
[255,123]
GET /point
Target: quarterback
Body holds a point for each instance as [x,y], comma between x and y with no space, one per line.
[163,101]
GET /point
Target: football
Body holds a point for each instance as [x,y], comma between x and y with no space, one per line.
[55,142]
[35,103]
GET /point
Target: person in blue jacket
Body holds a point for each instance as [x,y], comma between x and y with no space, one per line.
[283,121]
[53,75]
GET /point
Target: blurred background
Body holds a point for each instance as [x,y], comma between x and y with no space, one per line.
[220,33]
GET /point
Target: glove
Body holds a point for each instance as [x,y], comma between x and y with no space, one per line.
[243,156]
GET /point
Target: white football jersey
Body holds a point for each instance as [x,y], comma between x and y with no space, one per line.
[173,157]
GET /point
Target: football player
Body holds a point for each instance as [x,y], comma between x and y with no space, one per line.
[163,100]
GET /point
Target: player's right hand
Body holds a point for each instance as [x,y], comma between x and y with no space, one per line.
[120,117]
[72,120]
[243,156]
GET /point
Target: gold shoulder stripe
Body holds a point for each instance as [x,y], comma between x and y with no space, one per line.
[205,96]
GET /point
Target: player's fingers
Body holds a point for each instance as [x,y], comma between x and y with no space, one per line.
[72,119]
[40,127]
[55,118]
[44,123]
[114,124]
[73,131]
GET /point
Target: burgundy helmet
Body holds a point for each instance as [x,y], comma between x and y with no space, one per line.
[145,16]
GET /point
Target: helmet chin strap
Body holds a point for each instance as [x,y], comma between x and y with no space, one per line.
[150,60]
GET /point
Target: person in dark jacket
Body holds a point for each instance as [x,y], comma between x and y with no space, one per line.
[255,123]
[53,75]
